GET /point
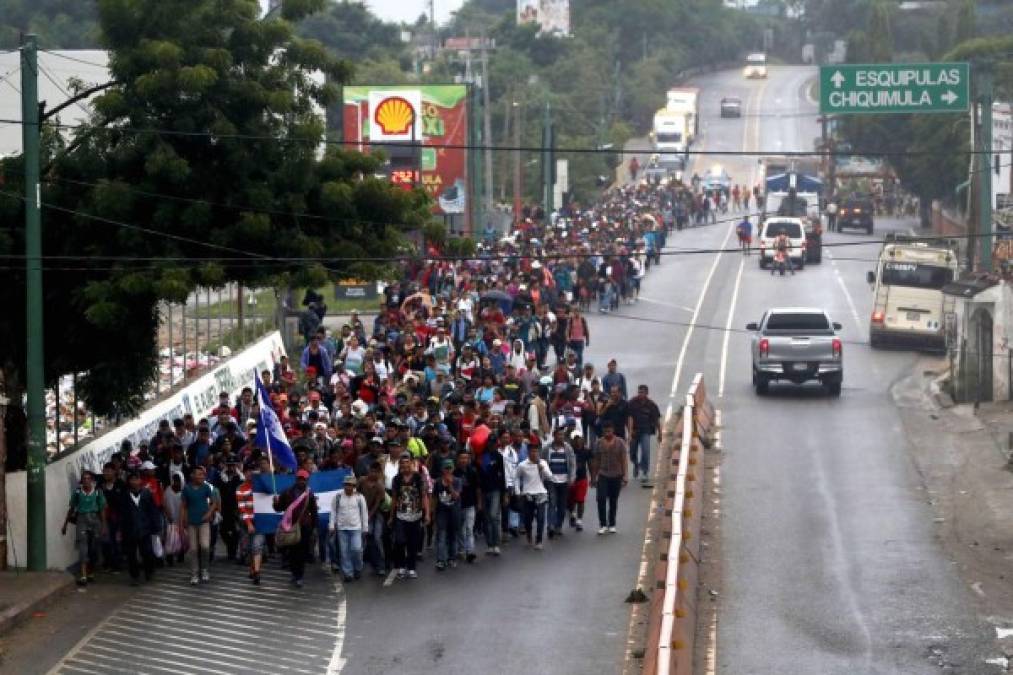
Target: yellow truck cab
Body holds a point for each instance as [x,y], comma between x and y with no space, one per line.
[909,306]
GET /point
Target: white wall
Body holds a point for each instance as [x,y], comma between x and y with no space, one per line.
[62,475]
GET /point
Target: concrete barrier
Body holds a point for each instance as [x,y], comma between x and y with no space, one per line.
[672,617]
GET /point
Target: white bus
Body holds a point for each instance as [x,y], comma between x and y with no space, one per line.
[756,66]
[909,306]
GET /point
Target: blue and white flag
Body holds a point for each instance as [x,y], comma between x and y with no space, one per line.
[270,435]
[324,484]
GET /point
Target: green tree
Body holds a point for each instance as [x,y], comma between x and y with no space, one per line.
[201,166]
[966,24]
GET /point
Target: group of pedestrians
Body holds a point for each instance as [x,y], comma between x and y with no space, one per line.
[467,412]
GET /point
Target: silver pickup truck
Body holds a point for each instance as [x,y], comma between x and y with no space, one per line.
[797,344]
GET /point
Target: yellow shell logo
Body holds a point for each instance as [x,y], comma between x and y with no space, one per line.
[394,115]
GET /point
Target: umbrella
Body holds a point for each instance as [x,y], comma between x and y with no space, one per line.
[419,303]
[501,298]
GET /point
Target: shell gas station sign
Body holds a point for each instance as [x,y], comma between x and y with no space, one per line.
[435,116]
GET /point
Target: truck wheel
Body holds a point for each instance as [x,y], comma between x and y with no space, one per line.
[760,384]
[874,341]
[834,389]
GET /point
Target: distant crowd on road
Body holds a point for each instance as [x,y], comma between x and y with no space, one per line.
[468,410]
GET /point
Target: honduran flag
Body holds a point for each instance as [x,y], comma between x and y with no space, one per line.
[324,484]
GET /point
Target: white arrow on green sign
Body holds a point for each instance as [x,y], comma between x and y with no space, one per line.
[877,88]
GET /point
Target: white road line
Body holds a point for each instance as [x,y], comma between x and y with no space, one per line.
[728,329]
[847,296]
[665,304]
[337,662]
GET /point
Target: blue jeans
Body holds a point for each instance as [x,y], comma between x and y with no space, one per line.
[374,543]
[558,493]
[534,515]
[466,530]
[493,518]
[448,522]
[350,548]
[578,348]
[642,459]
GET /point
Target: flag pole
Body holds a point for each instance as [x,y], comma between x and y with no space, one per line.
[262,401]
[270,461]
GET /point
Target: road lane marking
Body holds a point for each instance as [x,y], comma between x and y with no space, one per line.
[665,304]
[728,329]
[847,293]
[337,662]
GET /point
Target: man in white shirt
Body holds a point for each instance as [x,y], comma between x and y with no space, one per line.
[532,476]
[350,520]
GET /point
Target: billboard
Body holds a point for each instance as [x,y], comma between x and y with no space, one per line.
[373,114]
[552,16]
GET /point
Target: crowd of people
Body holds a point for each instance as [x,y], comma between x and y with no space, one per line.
[467,411]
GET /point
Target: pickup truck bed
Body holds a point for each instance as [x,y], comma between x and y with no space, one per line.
[797,345]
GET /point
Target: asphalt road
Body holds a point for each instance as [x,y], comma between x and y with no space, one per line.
[831,562]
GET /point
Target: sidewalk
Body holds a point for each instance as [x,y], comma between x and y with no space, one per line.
[962,455]
[24,593]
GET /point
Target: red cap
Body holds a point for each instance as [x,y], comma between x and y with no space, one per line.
[302,473]
[311,371]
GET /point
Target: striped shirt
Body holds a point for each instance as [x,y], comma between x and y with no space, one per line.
[244,498]
[611,457]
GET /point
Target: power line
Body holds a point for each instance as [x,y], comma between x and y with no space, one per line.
[63,91]
[527,149]
[74,58]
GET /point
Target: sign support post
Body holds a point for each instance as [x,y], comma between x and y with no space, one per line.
[983,135]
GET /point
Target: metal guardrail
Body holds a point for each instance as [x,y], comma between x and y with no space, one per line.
[672,620]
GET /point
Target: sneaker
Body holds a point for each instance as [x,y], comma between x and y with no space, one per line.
[440,566]
[402,573]
[579,526]
[495,550]
[612,530]
[412,574]
[573,521]
[194,580]
[471,558]
[453,563]
[539,546]
[602,530]
[205,577]
[256,579]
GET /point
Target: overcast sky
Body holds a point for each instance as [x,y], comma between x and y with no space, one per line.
[409,10]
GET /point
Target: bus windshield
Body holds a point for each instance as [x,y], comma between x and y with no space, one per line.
[914,275]
[756,59]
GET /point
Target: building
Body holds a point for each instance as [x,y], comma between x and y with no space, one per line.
[1002,171]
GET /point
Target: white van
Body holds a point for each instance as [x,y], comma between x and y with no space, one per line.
[794,228]
[756,66]
[909,306]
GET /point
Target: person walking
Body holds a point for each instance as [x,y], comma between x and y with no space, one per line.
[447,504]
[578,488]
[744,230]
[613,378]
[644,422]
[252,541]
[198,507]
[87,512]
[563,466]
[577,335]
[492,472]
[532,475]
[350,525]
[471,503]
[608,472]
[140,522]
[409,514]
[377,506]
[301,510]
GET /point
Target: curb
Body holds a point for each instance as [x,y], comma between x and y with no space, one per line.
[20,612]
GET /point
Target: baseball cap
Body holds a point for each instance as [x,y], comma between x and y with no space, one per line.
[148,466]
[350,480]
[302,473]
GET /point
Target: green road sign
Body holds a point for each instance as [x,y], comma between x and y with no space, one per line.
[876,88]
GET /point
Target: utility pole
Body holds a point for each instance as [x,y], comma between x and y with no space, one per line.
[984,136]
[517,162]
[547,168]
[4,402]
[34,370]
[486,129]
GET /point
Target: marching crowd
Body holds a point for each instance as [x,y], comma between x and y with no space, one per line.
[466,412]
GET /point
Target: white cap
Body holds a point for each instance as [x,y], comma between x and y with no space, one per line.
[148,466]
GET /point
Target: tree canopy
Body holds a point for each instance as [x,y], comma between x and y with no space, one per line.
[202,165]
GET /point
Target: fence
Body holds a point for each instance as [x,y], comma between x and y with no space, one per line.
[193,337]
[671,627]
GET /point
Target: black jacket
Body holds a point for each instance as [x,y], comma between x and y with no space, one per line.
[141,519]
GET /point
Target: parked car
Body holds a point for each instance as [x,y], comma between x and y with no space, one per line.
[797,344]
[731,106]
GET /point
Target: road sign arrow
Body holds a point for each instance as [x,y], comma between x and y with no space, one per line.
[838,79]
[949,97]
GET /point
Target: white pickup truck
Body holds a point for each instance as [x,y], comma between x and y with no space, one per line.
[797,344]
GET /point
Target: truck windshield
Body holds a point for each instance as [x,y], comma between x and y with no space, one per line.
[793,230]
[756,59]
[913,275]
[798,322]
[671,137]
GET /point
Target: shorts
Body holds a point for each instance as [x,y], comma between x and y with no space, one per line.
[578,492]
[253,543]
[745,239]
